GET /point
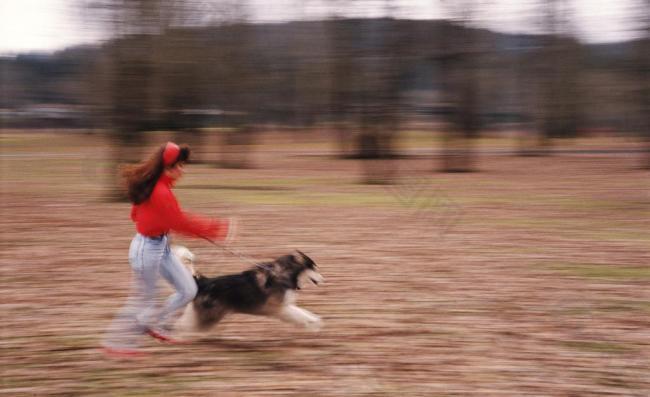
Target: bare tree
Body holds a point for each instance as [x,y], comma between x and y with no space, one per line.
[238,80]
[163,73]
[557,68]
[342,66]
[129,70]
[458,61]
[381,101]
[341,91]
[365,64]
[643,71]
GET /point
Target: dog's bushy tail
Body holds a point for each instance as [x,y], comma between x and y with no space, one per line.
[186,257]
[201,281]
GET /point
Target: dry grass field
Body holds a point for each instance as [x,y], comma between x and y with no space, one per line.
[528,278]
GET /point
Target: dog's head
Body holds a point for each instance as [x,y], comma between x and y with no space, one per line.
[309,273]
[294,271]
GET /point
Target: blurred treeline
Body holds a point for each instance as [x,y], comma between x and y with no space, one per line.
[362,78]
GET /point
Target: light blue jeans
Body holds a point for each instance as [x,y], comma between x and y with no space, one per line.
[149,258]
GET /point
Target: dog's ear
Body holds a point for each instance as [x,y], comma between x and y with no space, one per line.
[299,257]
[305,260]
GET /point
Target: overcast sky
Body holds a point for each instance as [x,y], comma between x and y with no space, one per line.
[48,25]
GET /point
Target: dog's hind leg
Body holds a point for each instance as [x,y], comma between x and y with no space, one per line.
[196,320]
[208,319]
[299,316]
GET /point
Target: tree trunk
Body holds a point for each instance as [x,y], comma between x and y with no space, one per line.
[458,155]
[236,147]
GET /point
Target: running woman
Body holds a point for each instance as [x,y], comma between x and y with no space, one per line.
[156,212]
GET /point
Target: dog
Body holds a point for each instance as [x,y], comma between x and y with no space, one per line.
[268,289]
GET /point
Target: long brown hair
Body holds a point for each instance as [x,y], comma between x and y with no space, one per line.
[141,178]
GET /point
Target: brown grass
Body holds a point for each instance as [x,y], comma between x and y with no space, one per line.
[526,279]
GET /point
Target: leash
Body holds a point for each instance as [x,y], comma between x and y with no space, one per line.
[245,258]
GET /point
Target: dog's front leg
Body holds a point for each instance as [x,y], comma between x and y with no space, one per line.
[299,316]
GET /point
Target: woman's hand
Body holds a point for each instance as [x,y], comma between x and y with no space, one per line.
[231,234]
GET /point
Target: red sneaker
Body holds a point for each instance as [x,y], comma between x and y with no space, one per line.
[163,336]
[122,353]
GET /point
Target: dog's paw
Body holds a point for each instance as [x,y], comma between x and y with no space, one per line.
[314,325]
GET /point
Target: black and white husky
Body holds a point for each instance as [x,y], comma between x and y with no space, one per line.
[268,289]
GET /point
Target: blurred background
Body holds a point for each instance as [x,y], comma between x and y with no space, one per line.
[472,175]
[363,71]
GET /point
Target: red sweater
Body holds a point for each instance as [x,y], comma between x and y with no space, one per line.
[161,213]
